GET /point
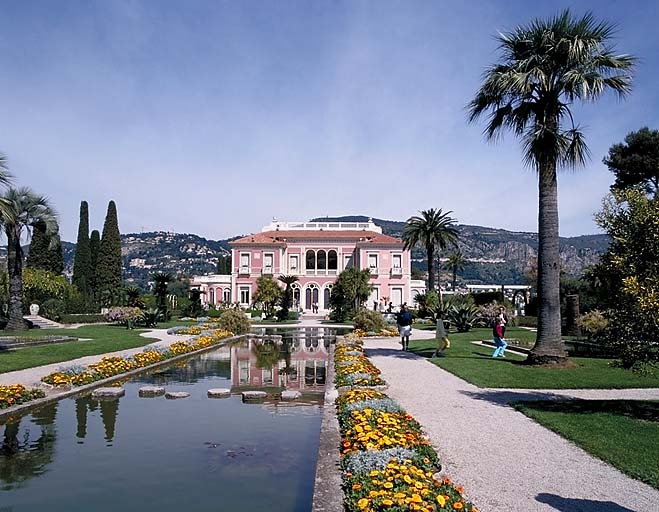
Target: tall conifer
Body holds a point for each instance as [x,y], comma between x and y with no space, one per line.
[94,249]
[38,255]
[82,261]
[108,271]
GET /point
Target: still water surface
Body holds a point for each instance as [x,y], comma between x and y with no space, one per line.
[171,455]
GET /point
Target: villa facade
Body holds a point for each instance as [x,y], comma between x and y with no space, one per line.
[315,252]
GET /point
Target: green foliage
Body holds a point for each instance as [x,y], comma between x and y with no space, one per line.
[53,309]
[20,211]
[594,323]
[193,307]
[629,270]
[82,319]
[224,265]
[133,297]
[234,320]
[287,296]
[268,294]
[527,321]
[368,320]
[434,230]
[45,251]
[82,261]
[40,285]
[109,270]
[463,316]
[150,318]
[427,303]
[161,282]
[94,249]
[351,289]
[636,161]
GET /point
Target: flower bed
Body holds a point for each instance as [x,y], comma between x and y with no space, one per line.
[382,333]
[387,462]
[116,365]
[194,330]
[15,394]
[353,368]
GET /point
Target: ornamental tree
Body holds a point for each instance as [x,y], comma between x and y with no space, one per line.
[268,294]
[636,161]
[629,270]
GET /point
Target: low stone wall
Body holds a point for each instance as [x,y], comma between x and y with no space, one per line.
[59,394]
[328,494]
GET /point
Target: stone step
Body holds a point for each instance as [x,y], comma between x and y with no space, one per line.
[43,323]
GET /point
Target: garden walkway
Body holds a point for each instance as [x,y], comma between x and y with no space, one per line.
[504,460]
[31,377]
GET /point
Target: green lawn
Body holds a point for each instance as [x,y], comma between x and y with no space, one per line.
[474,364]
[101,339]
[621,432]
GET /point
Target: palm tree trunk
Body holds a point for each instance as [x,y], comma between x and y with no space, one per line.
[548,348]
[15,270]
[455,278]
[431,274]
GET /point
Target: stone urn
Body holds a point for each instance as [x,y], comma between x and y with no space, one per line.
[34,309]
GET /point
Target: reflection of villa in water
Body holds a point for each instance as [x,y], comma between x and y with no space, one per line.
[296,361]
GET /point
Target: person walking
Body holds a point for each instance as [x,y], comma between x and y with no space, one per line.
[404,322]
[442,338]
[504,319]
[499,341]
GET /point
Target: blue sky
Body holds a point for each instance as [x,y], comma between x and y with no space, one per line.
[213,117]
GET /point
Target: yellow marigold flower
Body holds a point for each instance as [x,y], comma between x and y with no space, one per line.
[363,503]
[388,485]
[387,502]
[441,500]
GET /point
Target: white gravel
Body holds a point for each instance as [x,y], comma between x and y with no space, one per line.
[504,460]
[32,376]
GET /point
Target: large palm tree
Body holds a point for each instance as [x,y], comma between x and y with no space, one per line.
[23,210]
[434,230]
[456,263]
[161,281]
[545,68]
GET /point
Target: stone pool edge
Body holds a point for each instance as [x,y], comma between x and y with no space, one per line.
[327,492]
[33,404]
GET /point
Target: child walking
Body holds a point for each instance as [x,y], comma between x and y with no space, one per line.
[442,339]
[499,341]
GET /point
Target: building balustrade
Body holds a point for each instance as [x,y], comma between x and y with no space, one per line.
[244,270]
[396,271]
[267,271]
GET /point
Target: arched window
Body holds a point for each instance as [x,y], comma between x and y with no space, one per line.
[321,257]
[326,297]
[211,296]
[226,296]
[311,260]
[332,262]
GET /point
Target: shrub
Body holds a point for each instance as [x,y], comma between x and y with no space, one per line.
[593,323]
[527,321]
[463,316]
[53,309]
[124,315]
[369,321]
[234,320]
[83,319]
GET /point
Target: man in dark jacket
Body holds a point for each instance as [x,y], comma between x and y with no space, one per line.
[404,321]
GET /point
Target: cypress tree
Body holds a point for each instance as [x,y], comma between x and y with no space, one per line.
[38,255]
[108,267]
[82,261]
[45,252]
[94,249]
[56,256]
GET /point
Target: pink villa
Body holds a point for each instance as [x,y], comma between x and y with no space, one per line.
[316,252]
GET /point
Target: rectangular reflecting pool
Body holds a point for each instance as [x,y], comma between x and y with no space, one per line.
[195,453]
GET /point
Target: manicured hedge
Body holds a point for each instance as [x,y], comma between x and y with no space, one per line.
[83,319]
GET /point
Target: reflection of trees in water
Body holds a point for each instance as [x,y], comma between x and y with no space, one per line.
[267,353]
[23,457]
[190,370]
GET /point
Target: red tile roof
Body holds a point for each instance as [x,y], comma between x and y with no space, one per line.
[282,237]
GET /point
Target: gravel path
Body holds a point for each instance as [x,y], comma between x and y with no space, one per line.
[504,460]
[32,376]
